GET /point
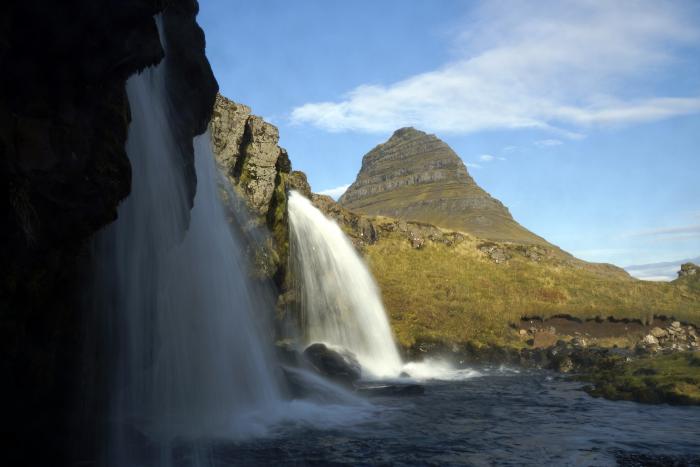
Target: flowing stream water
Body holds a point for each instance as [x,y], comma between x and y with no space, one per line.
[340,302]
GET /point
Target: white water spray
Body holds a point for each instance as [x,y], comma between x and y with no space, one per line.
[190,356]
[340,302]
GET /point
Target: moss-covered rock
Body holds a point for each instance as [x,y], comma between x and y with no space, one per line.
[668,378]
[247,152]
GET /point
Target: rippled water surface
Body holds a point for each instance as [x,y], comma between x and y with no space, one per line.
[501,417]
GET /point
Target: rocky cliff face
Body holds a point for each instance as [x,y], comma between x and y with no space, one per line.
[248,153]
[64,117]
[416,176]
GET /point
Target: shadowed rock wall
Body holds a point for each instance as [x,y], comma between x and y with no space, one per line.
[64,117]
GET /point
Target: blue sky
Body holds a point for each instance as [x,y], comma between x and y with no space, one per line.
[582,116]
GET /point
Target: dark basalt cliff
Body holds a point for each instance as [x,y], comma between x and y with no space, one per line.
[64,117]
[416,176]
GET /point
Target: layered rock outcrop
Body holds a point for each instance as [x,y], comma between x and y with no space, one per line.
[247,151]
[416,176]
[64,117]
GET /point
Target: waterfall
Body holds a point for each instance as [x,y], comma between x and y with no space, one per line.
[339,300]
[182,323]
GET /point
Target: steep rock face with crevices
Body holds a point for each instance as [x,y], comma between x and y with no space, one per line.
[247,152]
[416,176]
[64,117]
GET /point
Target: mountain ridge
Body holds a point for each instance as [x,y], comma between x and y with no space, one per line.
[417,176]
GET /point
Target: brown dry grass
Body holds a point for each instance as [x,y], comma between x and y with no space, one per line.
[456,293]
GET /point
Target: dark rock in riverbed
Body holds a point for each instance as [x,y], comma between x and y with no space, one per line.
[337,365]
[392,390]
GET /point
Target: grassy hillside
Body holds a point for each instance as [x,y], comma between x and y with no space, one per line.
[443,204]
[458,288]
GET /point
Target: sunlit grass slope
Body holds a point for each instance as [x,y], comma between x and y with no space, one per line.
[462,291]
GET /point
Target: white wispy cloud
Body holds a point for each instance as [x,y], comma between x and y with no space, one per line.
[336,192]
[686,231]
[662,271]
[563,66]
[548,143]
[490,158]
[472,165]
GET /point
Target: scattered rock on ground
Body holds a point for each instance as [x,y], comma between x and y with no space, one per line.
[650,340]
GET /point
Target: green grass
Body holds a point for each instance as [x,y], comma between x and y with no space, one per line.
[456,293]
[673,378]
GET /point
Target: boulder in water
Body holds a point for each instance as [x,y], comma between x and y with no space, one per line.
[338,365]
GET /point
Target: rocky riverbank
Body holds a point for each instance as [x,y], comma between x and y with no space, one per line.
[661,366]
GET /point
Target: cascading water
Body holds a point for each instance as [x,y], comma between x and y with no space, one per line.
[340,302]
[190,357]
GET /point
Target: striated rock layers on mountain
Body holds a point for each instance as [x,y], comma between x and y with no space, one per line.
[416,176]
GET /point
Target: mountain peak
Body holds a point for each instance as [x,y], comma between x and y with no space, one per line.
[407,131]
[417,176]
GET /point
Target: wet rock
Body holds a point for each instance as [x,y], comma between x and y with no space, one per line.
[297,181]
[287,353]
[338,365]
[294,384]
[392,390]
[564,365]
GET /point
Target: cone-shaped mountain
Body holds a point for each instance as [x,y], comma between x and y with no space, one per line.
[417,176]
